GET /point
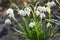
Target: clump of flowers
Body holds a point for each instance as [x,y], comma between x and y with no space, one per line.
[38,26]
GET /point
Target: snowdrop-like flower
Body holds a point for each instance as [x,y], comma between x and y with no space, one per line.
[48,25]
[31,24]
[9,11]
[21,12]
[49,4]
[11,15]
[42,15]
[41,8]
[7,21]
[53,3]
[27,12]
[37,13]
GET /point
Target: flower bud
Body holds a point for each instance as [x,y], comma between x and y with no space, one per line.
[48,9]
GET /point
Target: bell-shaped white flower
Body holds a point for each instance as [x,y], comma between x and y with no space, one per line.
[48,25]
[39,8]
[31,24]
[7,21]
[11,15]
[42,15]
[43,9]
[53,3]
[27,12]
[21,12]
[49,4]
[9,11]
[37,13]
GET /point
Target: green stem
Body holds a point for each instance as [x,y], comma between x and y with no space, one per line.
[19,25]
[36,4]
[49,22]
[13,4]
[41,22]
[57,2]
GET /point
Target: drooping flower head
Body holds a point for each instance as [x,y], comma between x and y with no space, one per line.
[41,8]
[11,15]
[51,4]
[48,25]
[21,12]
[7,21]
[31,24]
[42,15]
[10,10]
[37,13]
[27,11]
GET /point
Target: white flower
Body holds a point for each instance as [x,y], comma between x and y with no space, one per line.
[48,25]
[7,21]
[37,13]
[27,12]
[41,8]
[11,15]
[31,24]
[49,4]
[42,15]
[21,12]
[9,11]
[53,3]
